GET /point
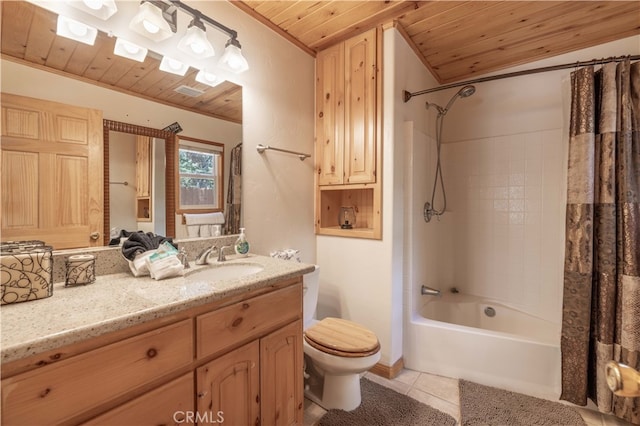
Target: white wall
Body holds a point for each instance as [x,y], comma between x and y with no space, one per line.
[278,102]
[122,168]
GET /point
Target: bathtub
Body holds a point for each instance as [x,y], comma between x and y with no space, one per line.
[453,336]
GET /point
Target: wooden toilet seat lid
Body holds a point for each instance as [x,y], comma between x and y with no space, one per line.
[342,337]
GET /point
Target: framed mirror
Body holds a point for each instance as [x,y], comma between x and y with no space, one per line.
[144,204]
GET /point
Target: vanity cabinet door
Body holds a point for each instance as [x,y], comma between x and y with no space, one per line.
[170,404]
[281,382]
[228,387]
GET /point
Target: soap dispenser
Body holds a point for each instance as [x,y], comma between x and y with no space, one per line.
[242,245]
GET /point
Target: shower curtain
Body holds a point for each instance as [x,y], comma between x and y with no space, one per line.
[234,193]
[601,306]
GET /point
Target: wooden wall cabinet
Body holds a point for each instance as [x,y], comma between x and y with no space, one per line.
[173,370]
[348,135]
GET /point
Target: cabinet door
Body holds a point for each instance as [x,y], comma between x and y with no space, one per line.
[229,387]
[360,108]
[281,358]
[51,160]
[143,166]
[170,404]
[330,115]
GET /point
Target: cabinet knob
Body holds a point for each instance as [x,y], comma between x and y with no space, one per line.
[94,236]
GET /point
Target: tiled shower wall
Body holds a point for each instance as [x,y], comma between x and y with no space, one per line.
[506,198]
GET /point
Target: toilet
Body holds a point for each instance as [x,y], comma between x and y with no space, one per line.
[336,352]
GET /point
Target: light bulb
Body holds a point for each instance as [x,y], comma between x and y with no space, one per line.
[77,29]
[130,48]
[150,27]
[93,4]
[197,48]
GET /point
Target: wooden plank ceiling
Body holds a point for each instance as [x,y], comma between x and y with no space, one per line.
[456,40]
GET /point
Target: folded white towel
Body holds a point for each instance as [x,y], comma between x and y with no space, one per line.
[139,266]
[167,267]
[216,218]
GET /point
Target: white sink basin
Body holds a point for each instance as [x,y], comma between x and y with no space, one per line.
[224,271]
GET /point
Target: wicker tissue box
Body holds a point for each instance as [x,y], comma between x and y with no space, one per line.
[26,271]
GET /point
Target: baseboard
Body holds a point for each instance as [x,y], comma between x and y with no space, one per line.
[388,372]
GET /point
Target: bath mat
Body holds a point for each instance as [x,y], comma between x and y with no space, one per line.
[485,405]
[386,407]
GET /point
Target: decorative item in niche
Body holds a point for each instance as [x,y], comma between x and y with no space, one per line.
[347,217]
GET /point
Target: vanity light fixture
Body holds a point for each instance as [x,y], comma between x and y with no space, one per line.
[195,40]
[173,66]
[102,9]
[155,20]
[232,59]
[129,50]
[75,30]
[208,78]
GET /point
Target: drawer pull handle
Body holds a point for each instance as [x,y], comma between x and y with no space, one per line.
[152,353]
[236,322]
[45,392]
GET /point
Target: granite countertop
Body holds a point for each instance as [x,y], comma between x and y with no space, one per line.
[117,301]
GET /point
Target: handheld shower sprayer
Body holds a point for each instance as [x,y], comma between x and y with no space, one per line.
[429,210]
[465,92]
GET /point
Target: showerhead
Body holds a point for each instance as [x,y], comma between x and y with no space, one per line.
[465,92]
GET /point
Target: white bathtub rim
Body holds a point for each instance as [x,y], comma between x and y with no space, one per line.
[470,298]
[418,320]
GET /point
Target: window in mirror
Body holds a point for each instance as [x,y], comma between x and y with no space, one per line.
[200,177]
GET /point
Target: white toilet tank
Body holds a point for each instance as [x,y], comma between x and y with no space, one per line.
[310,286]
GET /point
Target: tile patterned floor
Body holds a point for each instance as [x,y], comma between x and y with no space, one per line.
[441,393]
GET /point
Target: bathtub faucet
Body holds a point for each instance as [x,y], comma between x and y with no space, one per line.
[428,291]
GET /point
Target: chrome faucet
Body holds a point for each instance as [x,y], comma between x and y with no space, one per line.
[203,257]
[221,256]
[428,291]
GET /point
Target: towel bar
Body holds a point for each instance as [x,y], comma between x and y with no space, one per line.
[262,148]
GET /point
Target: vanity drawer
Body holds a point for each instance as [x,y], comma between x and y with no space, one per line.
[170,404]
[60,391]
[222,329]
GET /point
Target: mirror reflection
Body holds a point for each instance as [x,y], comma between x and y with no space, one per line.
[139,181]
[215,115]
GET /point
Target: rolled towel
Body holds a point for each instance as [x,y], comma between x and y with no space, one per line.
[139,242]
[216,218]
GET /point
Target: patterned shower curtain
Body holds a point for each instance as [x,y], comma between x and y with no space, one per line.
[601,309]
[234,193]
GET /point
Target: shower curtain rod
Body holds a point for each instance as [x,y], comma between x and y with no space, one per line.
[408,95]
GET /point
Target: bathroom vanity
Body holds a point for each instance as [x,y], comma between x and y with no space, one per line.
[184,350]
